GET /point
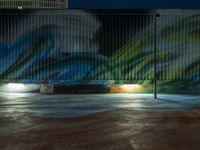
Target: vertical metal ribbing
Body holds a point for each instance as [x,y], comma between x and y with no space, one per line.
[188,33]
[143,34]
[66,27]
[63,37]
[32,26]
[110,46]
[11,75]
[168,47]
[70,15]
[151,41]
[178,33]
[4,36]
[39,63]
[34,22]
[41,39]
[87,43]
[133,36]
[145,70]
[189,50]
[121,38]
[53,44]
[140,37]
[162,44]
[171,47]
[50,43]
[74,42]
[181,41]
[60,48]
[80,41]
[138,24]
[1,47]
[187,46]
[126,26]
[179,49]
[109,49]
[192,56]
[175,41]
[27,73]
[117,43]
[147,44]
[155,55]
[170,52]
[197,51]
[77,42]
[17,33]
[25,70]
[55,49]
[155,77]
[3,51]
[7,40]
[125,41]
[92,44]
[44,37]
[191,44]
[72,28]
[194,50]
[198,48]
[37,21]
[113,46]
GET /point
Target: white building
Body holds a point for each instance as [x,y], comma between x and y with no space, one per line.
[34,4]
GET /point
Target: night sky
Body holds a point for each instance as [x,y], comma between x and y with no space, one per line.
[122,4]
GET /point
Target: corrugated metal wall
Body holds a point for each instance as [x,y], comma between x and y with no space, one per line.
[86,46]
[66,46]
[178,37]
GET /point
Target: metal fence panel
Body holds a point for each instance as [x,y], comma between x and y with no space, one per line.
[178,38]
[76,46]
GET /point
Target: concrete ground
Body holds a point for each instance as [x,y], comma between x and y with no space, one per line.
[99,122]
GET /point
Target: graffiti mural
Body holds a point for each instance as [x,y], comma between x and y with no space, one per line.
[96,47]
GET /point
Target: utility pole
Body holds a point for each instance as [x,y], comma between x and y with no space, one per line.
[157,17]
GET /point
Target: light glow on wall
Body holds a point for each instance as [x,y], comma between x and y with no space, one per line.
[19,87]
[15,87]
[130,87]
[125,88]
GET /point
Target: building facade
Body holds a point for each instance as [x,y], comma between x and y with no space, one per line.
[7,4]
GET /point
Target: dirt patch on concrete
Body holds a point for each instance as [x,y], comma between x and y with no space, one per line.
[113,130]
